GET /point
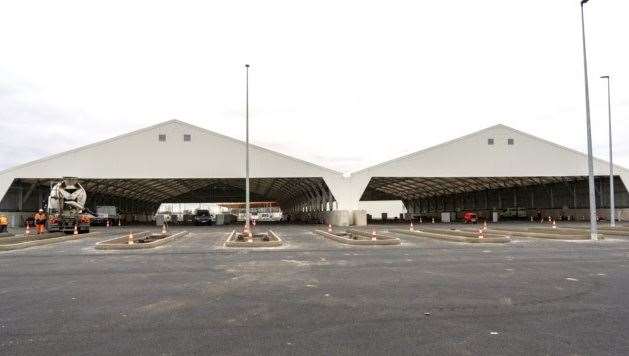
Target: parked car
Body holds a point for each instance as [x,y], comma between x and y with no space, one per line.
[202,217]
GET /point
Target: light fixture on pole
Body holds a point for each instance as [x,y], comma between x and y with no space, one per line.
[612,205]
[593,232]
[247,205]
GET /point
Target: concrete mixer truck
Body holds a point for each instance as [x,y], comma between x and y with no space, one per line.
[66,204]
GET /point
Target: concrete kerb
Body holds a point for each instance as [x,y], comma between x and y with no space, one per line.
[446,236]
[558,231]
[606,230]
[110,245]
[380,239]
[458,232]
[44,241]
[230,242]
[545,235]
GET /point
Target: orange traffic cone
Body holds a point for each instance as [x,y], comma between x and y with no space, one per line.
[433,220]
[164,229]
[118,222]
[480,234]
[411,226]
[421,221]
[28,228]
[76,230]
[130,241]
[554,224]
[485,226]
[373,235]
[107,223]
[329,227]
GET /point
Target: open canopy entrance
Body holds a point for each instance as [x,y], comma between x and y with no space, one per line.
[144,196]
[433,195]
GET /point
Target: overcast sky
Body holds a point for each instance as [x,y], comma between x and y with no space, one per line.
[345,84]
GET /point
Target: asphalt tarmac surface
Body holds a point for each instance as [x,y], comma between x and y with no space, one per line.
[315,296]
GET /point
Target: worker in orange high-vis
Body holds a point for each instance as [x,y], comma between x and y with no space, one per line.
[40,221]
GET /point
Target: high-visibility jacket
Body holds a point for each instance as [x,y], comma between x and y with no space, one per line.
[40,218]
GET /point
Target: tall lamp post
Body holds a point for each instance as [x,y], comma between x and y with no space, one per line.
[612,207]
[247,203]
[593,232]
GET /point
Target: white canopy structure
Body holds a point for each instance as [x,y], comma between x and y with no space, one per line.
[171,162]
[495,168]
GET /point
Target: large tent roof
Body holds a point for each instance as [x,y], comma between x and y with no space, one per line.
[139,165]
[471,163]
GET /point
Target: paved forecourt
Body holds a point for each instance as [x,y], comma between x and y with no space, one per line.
[316,296]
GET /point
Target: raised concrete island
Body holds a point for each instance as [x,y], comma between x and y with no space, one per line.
[455,235]
[25,241]
[269,239]
[140,240]
[359,237]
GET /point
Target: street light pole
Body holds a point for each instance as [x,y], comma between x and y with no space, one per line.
[612,205]
[593,232]
[247,204]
